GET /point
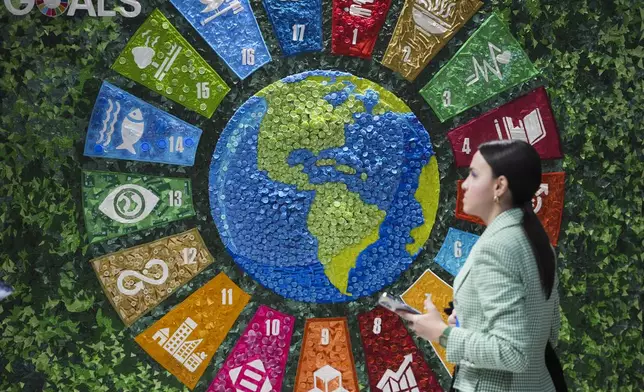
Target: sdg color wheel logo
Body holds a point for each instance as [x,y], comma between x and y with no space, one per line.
[52,8]
[324,187]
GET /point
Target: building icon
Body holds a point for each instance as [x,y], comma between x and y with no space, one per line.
[179,347]
[330,380]
[402,380]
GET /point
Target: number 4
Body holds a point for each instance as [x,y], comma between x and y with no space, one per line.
[466,146]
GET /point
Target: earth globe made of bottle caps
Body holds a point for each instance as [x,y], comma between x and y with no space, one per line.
[324,187]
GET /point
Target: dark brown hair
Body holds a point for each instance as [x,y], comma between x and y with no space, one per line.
[519,162]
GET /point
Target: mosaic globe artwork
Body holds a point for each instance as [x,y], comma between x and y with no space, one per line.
[324,187]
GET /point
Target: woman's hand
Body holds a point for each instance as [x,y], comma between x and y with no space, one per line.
[451,320]
[429,325]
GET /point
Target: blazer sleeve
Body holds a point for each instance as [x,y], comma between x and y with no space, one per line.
[556,317]
[501,295]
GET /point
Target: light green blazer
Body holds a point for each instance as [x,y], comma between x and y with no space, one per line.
[505,319]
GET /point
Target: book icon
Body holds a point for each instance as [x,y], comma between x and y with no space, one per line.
[530,128]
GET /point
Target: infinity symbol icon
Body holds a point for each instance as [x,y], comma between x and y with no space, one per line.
[138,286]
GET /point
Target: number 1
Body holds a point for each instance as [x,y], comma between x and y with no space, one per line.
[355,36]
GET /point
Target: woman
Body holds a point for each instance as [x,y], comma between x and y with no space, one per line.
[505,297]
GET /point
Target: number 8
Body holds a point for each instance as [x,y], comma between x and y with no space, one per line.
[377,325]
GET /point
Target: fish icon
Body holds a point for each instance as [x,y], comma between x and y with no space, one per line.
[131,130]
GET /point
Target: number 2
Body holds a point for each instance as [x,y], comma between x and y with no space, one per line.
[406,53]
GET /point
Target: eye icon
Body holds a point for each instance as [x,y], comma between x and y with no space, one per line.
[129,203]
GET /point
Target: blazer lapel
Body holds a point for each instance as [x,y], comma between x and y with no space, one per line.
[508,218]
[465,271]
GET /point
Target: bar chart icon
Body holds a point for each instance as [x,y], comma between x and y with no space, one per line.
[402,380]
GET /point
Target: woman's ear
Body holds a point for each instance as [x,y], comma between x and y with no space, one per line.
[501,185]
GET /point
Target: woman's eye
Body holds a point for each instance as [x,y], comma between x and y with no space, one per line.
[129,203]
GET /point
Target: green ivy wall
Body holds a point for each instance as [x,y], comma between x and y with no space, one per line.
[59,333]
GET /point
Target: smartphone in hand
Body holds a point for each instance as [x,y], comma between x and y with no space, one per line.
[394,304]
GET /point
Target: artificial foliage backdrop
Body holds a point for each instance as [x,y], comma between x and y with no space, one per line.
[58,330]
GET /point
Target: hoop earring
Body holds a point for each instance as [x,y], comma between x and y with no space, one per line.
[496,199]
